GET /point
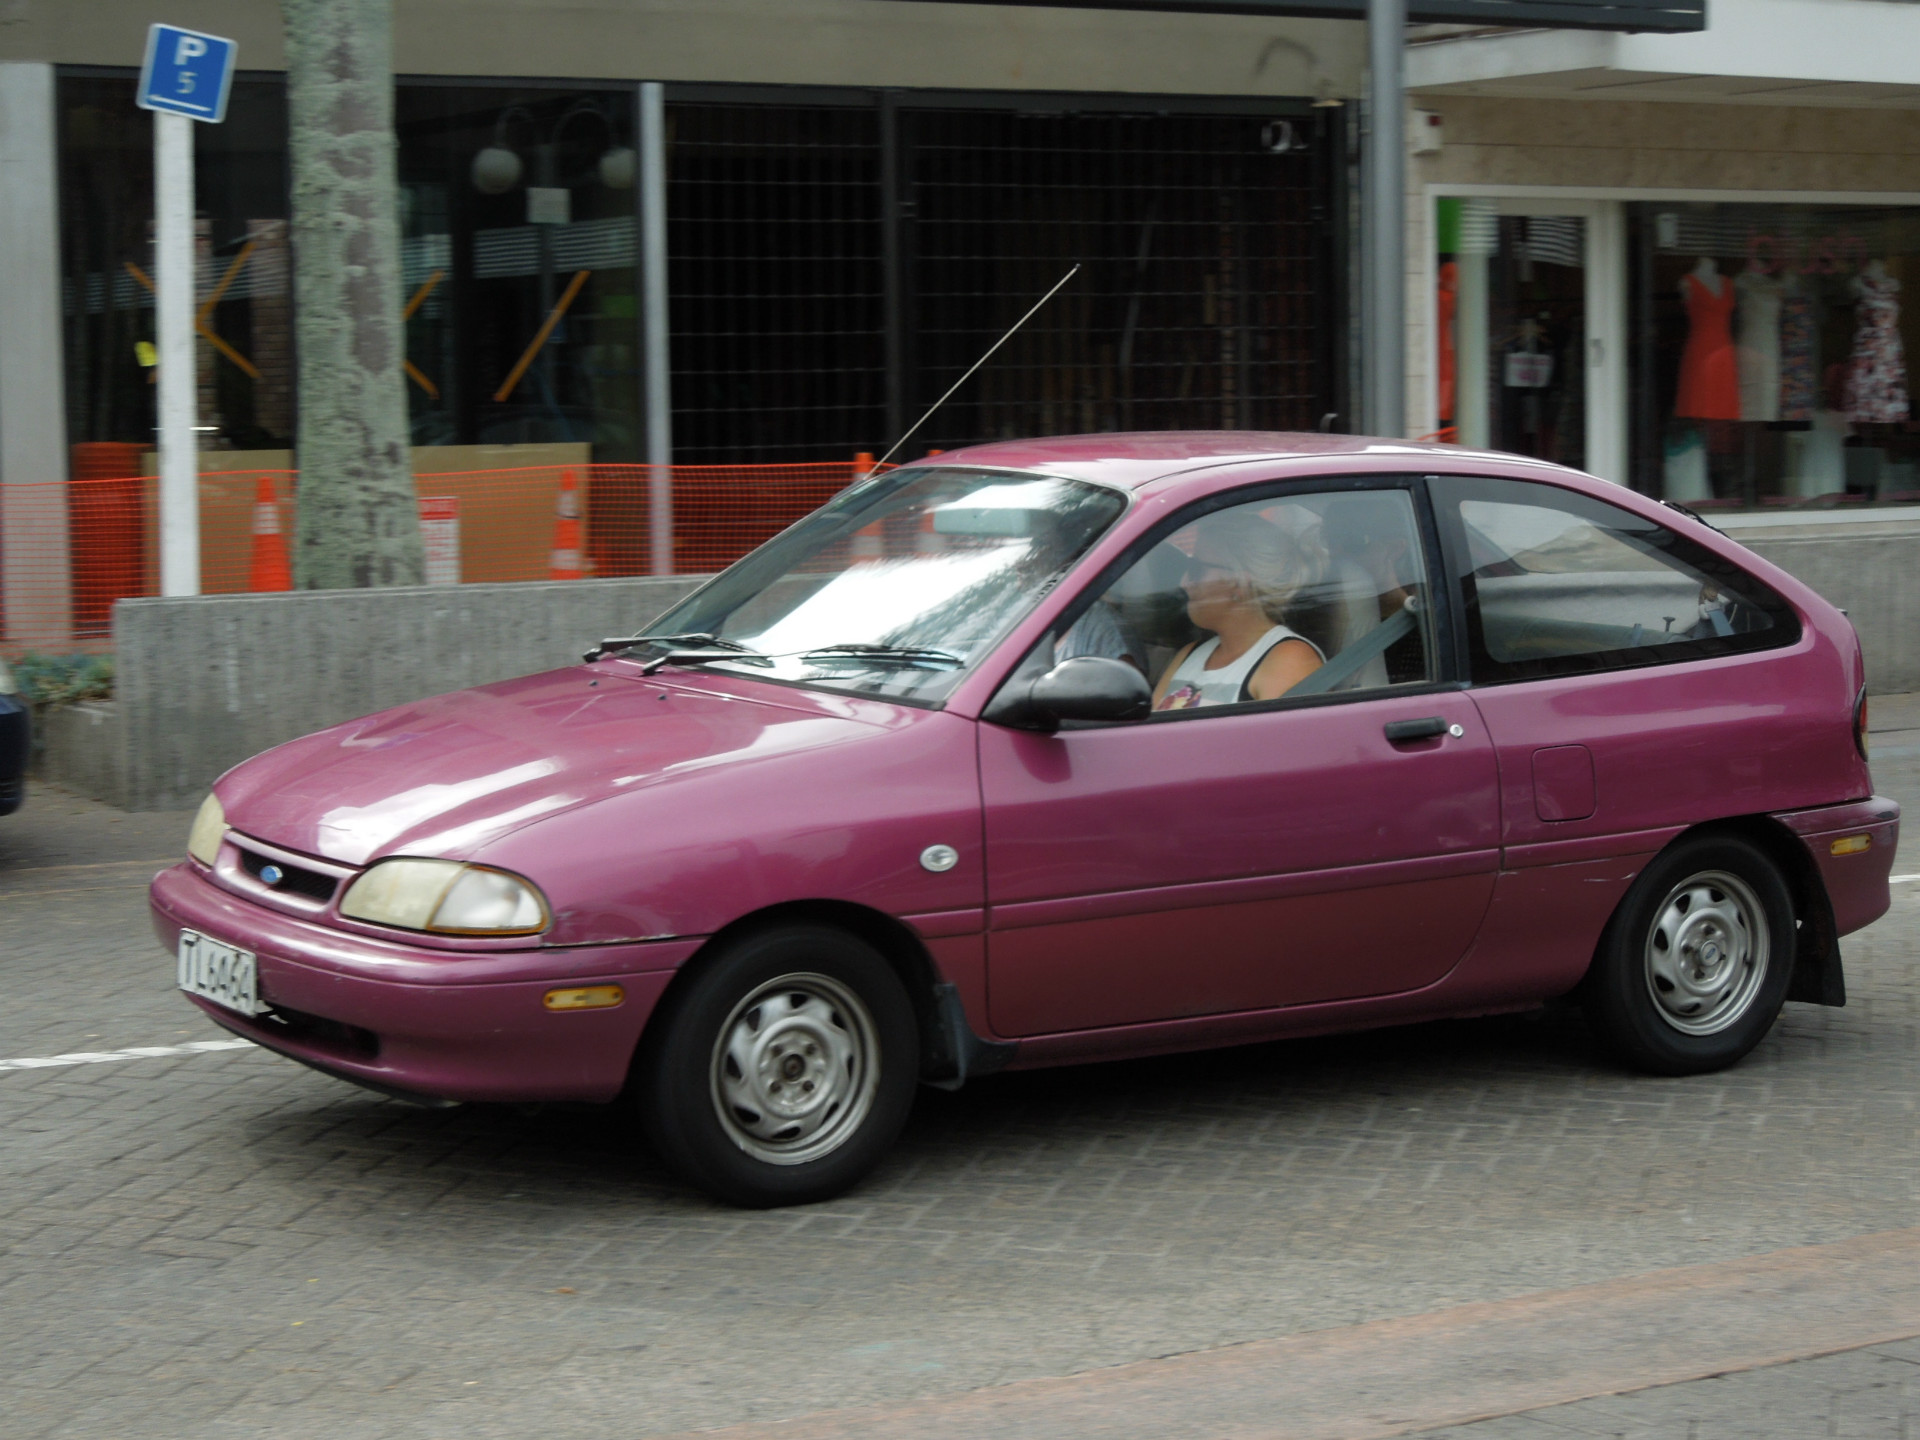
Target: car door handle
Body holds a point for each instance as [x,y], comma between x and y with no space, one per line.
[1399,732]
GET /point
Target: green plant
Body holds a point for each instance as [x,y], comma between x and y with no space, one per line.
[48,680]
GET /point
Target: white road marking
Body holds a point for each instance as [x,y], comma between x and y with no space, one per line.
[137,1052]
[1902,879]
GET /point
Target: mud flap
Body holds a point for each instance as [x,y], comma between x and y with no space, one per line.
[954,1054]
[1818,978]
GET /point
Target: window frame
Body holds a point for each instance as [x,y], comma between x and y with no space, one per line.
[1477,664]
[1447,649]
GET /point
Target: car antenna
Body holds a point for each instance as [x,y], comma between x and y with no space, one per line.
[976,365]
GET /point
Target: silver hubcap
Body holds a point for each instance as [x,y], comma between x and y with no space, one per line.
[795,1069]
[1707,953]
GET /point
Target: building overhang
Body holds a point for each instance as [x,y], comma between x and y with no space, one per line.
[1758,52]
[1667,16]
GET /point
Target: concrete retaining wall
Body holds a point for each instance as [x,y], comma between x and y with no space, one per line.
[1868,565]
[204,683]
[83,748]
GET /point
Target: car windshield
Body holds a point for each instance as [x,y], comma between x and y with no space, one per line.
[896,586]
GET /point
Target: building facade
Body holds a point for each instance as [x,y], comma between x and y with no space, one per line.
[861,194]
[1673,259]
[1677,261]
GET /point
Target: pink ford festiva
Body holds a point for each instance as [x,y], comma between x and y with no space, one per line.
[1067,750]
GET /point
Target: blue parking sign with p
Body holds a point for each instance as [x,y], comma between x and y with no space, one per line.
[187,73]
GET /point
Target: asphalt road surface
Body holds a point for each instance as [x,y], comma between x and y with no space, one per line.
[1343,1237]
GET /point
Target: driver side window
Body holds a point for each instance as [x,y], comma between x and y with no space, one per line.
[1291,595]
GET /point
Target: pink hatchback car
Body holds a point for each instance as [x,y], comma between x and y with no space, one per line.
[1066,750]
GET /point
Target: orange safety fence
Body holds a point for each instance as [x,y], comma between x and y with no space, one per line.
[537,523]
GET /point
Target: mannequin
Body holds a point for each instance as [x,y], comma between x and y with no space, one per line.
[1758,352]
[1876,388]
[1709,376]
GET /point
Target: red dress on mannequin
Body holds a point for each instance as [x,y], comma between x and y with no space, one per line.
[1709,369]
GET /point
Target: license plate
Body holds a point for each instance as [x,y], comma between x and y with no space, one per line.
[220,973]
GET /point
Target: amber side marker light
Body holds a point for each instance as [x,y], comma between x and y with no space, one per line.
[1851,845]
[589,997]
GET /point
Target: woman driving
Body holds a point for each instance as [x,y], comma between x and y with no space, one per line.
[1243,574]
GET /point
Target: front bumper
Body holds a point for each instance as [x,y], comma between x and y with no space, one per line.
[420,1022]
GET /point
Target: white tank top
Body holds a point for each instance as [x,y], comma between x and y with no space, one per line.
[1193,684]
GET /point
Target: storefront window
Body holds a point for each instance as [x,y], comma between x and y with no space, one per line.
[245,348]
[517,212]
[1769,364]
[1511,316]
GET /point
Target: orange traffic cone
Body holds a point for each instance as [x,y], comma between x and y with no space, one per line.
[862,466]
[566,531]
[269,570]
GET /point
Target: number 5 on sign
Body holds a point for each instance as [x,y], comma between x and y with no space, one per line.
[187,73]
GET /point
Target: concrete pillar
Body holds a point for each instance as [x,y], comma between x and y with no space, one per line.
[1383,222]
[35,562]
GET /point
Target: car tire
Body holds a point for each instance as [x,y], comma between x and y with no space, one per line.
[783,1070]
[1694,965]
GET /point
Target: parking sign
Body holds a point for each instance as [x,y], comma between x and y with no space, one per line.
[186,73]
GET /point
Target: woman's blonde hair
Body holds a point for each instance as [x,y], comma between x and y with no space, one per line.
[1276,564]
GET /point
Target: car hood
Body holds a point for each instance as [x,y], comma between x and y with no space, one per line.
[446,776]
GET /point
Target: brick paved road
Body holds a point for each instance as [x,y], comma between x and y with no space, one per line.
[1867,1394]
[228,1245]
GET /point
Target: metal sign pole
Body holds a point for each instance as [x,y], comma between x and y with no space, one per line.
[653,309]
[173,335]
[1383,225]
[185,79]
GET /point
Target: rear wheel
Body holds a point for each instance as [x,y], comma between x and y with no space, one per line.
[1694,965]
[784,1070]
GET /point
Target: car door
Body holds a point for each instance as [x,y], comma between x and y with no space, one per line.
[1256,853]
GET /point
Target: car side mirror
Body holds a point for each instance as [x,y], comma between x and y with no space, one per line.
[1087,687]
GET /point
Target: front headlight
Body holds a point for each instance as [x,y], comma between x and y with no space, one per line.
[447,898]
[209,826]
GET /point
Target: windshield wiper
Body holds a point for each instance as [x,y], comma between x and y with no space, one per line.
[736,655]
[888,655]
[698,638]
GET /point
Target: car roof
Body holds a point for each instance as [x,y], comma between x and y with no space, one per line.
[1135,459]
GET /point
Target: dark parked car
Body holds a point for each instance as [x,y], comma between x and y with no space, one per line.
[15,734]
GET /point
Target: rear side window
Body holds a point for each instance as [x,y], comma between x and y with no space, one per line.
[1558,583]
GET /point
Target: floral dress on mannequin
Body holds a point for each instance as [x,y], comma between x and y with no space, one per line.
[1876,392]
[1798,342]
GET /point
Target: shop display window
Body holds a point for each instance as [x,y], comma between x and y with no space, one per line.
[517,208]
[244,361]
[1511,315]
[517,211]
[1768,366]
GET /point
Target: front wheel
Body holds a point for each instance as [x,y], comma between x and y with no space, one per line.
[1694,965]
[785,1068]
